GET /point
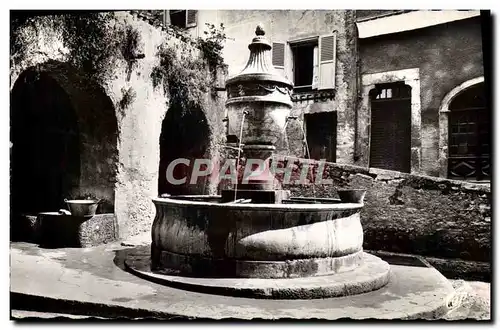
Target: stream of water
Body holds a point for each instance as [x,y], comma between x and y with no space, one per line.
[307,151]
[240,145]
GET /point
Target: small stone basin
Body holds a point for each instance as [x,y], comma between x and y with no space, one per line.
[200,236]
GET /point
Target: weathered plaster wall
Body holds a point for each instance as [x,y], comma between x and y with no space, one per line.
[139,124]
[414,214]
[138,143]
[446,56]
[285,25]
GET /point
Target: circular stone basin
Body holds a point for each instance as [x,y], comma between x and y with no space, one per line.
[200,236]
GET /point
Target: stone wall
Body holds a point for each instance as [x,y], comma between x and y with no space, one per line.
[446,56]
[135,142]
[414,214]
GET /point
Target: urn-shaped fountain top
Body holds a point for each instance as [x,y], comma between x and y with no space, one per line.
[259,77]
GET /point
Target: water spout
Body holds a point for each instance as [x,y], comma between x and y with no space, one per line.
[240,145]
[287,142]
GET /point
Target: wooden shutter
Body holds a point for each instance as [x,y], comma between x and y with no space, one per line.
[390,138]
[327,59]
[278,55]
[191,16]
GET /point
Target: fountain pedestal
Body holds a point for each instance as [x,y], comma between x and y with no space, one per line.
[257,182]
[258,103]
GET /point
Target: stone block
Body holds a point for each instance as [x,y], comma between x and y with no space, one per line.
[24,227]
[58,230]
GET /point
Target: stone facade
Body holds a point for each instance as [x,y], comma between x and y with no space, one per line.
[430,53]
[239,27]
[445,56]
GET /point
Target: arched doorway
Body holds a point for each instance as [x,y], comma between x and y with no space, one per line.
[390,140]
[63,140]
[45,140]
[469,135]
[184,134]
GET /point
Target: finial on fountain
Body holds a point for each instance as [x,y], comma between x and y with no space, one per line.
[259,30]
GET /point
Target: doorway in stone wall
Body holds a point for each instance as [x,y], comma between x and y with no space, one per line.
[390,140]
[45,159]
[321,130]
[469,135]
[184,134]
[63,134]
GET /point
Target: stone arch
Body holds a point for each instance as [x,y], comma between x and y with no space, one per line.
[443,122]
[185,133]
[71,121]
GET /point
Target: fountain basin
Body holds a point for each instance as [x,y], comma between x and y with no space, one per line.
[200,236]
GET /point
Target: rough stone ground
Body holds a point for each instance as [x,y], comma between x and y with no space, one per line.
[476,304]
[43,264]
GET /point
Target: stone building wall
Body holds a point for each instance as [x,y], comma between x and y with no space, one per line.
[445,55]
[286,25]
[121,166]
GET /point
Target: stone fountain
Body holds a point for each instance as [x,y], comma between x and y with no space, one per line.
[275,246]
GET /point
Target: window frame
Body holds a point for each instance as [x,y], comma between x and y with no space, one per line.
[313,42]
[187,25]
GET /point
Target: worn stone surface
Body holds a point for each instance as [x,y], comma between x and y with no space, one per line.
[372,274]
[77,280]
[261,232]
[57,230]
[33,315]
[192,265]
[473,301]
[414,214]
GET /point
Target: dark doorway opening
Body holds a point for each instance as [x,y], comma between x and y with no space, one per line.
[321,131]
[469,135]
[184,134]
[390,144]
[45,158]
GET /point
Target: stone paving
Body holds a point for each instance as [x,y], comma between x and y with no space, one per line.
[92,282]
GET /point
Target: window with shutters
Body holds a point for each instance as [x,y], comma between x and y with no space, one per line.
[182,18]
[305,65]
[313,62]
[278,55]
